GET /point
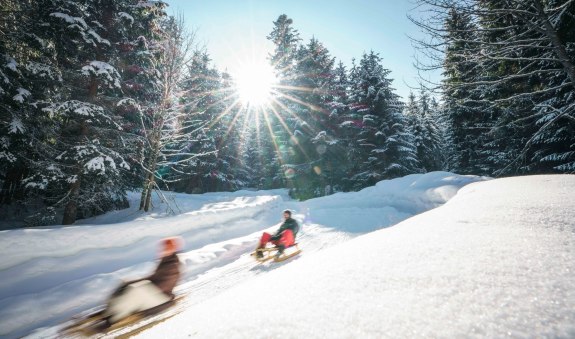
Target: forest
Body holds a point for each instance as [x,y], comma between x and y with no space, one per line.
[102,97]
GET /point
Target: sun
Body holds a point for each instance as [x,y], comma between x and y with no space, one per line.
[254,82]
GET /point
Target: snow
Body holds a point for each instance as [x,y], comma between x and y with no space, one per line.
[16,126]
[72,20]
[10,63]
[427,255]
[104,71]
[22,94]
[98,164]
[126,16]
[80,25]
[43,71]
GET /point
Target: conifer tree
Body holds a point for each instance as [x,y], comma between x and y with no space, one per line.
[313,80]
[80,163]
[509,72]
[279,121]
[382,141]
[429,152]
[213,127]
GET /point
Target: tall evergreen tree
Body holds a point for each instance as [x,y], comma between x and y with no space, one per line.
[415,125]
[461,107]
[80,164]
[212,132]
[429,154]
[313,80]
[280,119]
[383,142]
[508,78]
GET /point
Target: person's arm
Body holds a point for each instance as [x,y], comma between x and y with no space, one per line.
[279,232]
[295,227]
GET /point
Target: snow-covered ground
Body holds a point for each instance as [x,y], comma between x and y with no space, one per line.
[497,260]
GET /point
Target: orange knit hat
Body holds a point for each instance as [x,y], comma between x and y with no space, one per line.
[171,245]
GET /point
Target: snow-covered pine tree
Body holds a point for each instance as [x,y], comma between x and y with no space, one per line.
[286,41]
[461,106]
[208,114]
[278,124]
[139,54]
[382,141]
[313,78]
[429,153]
[248,163]
[79,162]
[441,121]
[24,80]
[510,76]
[537,76]
[338,109]
[415,125]
[225,128]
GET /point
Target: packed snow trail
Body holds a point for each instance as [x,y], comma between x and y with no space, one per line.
[52,273]
[43,283]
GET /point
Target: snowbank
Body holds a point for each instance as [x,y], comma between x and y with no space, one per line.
[498,260]
[50,274]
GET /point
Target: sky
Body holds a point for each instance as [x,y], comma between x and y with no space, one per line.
[435,255]
[234,31]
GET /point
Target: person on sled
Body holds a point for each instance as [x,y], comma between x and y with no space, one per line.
[283,238]
[151,294]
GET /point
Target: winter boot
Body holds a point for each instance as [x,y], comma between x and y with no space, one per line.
[259,253]
[281,249]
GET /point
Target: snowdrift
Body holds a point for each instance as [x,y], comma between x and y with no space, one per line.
[497,260]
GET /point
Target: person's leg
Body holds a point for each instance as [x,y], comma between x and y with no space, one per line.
[286,240]
[266,237]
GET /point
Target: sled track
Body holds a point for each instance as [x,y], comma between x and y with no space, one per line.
[230,273]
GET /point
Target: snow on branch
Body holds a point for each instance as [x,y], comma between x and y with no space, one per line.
[16,126]
[104,72]
[43,71]
[82,110]
[70,19]
[79,24]
[126,16]
[22,95]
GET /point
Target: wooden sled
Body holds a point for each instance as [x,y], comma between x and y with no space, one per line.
[269,253]
[91,325]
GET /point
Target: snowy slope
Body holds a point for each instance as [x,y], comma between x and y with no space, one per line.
[498,260]
[50,274]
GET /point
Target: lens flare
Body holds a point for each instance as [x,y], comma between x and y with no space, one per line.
[254,83]
[289,173]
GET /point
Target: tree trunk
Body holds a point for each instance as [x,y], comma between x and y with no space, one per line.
[71,209]
[146,199]
[12,186]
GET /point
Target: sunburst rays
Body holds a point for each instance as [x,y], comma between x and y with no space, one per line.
[246,109]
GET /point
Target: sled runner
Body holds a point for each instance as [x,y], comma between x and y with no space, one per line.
[270,253]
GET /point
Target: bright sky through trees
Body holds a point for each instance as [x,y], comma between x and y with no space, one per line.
[254,81]
[234,32]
